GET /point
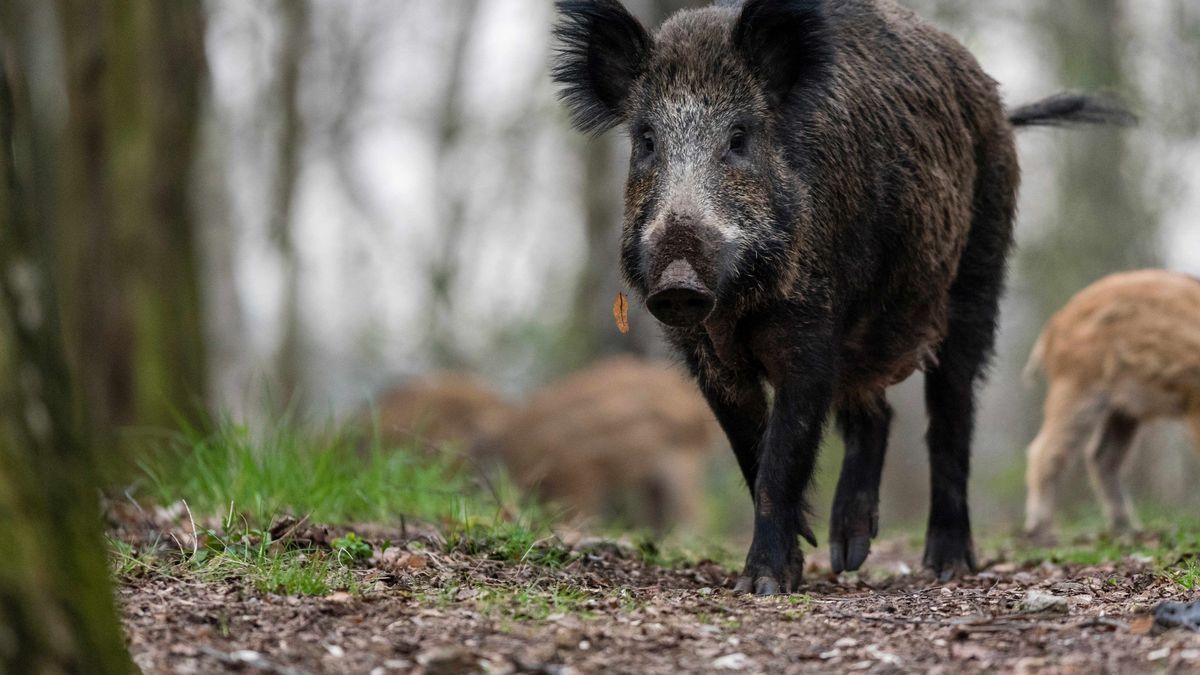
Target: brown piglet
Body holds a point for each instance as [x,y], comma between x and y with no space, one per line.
[1124,351]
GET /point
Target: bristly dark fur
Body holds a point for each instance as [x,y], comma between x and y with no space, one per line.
[786,41]
[834,184]
[601,48]
[1071,109]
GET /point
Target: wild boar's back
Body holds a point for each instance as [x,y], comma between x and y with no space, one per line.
[621,423]
[440,409]
[1134,335]
[893,151]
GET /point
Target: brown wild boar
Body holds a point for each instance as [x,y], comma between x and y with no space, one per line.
[1124,351]
[623,427]
[439,410]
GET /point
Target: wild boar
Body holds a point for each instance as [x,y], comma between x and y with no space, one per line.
[820,196]
[624,427]
[440,409]
[1123,351]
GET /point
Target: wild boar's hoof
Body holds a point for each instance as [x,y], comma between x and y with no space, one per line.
[854,523]
[762,586]
[949,555]
[847,554]
[679,298]
[761,580]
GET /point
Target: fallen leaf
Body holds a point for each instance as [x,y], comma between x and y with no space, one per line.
[621,312]
[1142,625]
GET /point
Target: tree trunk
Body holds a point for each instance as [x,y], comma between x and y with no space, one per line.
[1102,224]
[56,608]
[289,364]
[129,269]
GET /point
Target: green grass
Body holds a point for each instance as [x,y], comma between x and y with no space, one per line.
[1168,543]
[246,555]
[1186,573]
[327,475]
[329,478]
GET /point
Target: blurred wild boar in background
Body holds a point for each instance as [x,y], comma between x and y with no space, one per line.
[1124,351]
[440,410]
[624,432]
[820,196]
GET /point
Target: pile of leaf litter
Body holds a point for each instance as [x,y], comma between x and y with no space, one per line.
[417,600]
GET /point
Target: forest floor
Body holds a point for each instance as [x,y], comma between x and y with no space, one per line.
[410,600]
[214,575]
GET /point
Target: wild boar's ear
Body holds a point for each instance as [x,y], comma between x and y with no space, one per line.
[601,51]
[786,43]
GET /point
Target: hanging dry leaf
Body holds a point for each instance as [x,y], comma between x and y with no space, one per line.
[621,312]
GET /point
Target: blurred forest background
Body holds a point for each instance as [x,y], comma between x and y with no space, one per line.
[231,207]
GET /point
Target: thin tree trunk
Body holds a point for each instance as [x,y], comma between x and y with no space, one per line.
[296,33]
[451,197]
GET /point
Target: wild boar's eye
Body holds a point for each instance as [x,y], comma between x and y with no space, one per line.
[646,143]
[738,143]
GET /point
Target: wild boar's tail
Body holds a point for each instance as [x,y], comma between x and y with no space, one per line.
[1070,109]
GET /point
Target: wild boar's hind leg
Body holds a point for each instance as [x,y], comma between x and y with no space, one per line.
[970,337]
[1105,458]
[855,517]
[950,399]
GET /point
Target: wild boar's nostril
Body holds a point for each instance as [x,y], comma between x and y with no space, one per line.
[679,298]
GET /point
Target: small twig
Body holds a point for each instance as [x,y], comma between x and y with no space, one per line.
[195,534]
[1095,621]
[292,530]
[129,496]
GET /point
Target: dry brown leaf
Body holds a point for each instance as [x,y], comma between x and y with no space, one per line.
[621,312]
[1141,625]
[412,562]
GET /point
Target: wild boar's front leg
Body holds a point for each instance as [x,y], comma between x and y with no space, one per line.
[740,406]
[785,466]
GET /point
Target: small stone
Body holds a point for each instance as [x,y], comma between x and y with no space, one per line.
[335,651]
[734,661]
[878,654]
[447,660]
[831,654]
[1159,654]
[846,642]
[245,656]
[1041,601]
[1190,655]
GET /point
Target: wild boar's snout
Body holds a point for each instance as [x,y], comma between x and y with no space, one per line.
[681,261]
[678,298]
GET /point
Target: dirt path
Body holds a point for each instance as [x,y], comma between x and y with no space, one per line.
[605,610]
